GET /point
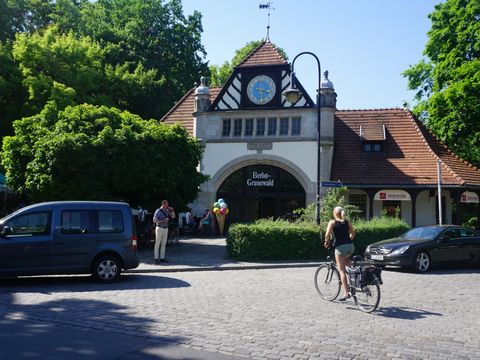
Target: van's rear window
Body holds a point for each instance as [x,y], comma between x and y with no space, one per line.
[110,221]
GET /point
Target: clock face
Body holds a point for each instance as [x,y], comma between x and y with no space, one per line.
[261,89]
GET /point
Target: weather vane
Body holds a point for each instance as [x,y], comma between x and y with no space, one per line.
[269,7]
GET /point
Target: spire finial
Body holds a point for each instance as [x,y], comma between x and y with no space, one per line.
[269,7]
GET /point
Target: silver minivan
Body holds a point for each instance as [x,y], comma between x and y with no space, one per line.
[69,237]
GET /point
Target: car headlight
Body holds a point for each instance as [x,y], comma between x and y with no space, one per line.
[368,248]
[400,250]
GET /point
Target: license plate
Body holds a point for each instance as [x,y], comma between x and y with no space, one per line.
[376,257]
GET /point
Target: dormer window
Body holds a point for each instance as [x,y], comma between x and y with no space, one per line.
[373,137]
[372,147]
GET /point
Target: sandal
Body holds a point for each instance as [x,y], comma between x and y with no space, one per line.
[344,297]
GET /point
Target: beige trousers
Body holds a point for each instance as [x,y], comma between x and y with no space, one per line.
[160,242]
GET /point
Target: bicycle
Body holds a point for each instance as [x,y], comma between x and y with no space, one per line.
[173,237]
[364,282]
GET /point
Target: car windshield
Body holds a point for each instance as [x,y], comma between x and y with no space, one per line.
[429,232]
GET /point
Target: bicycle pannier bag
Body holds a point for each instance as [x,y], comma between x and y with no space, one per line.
[372,274]
[354,274]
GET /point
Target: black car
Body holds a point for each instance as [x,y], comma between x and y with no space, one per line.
[421,247]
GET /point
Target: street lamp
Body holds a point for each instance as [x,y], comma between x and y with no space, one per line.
[292,94]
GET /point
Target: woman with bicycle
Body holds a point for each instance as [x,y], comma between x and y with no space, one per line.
[343,234]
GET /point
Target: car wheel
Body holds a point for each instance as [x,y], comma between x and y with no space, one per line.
[421,262]
[106,268]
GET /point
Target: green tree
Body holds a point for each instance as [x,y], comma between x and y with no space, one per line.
[447,81]
[79,64]
[12,94]
[220,74]
[153,33]
[150,52]
[96,152]
[334,197]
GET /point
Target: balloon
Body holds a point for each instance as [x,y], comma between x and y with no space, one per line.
[220,201]
[224,205]
[227,210]
[216,205]
[223,211]
[216,210]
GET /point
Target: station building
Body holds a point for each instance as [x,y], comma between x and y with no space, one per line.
[261,150]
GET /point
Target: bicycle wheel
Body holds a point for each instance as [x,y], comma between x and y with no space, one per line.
[327,282]
[367,297]
[176,237]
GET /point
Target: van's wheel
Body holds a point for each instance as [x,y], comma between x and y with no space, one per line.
[106,268]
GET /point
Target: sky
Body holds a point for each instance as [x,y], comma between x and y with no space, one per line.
[364,44]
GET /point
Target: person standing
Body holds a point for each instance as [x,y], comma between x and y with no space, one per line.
[190,221]
[161,218]
[343,233]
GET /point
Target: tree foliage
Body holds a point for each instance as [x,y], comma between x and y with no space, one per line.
[447,81]
[334,197]
[136,55]
[81,76]
[219,74]
[12,94]
[96,152]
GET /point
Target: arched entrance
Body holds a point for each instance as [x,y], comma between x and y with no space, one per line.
[261,191]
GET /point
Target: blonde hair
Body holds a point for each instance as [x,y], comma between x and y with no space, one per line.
[338,212]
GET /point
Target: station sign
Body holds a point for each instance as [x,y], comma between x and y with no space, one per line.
[260,179]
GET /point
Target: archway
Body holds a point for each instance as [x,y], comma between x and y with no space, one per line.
[261,191]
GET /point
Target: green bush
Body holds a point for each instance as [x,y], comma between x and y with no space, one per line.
[376,229]
[274,240]
[281,240]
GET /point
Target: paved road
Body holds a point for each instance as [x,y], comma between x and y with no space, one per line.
[258,314]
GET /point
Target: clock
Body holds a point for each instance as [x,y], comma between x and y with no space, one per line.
[261,89]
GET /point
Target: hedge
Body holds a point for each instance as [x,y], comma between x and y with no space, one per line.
[281,240]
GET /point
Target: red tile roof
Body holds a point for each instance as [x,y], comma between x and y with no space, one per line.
[264,54]
[409,155]
[182,112]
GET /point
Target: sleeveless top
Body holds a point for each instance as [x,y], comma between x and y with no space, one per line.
[341,233]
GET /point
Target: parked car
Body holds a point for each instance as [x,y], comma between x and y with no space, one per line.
[67,237]
[421,247]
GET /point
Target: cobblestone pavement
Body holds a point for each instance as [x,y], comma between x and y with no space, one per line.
[263,313]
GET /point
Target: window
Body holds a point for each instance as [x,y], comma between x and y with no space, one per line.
[237,127]
[466,233]
[392,208]
[360,201]
[296,126]
[75,222]
[248,127]
[284,126]
[29,224]
[227,125]
[272,126]
[372,147]
[110,221]
[260,127]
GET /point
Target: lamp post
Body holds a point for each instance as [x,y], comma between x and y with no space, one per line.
[292,94]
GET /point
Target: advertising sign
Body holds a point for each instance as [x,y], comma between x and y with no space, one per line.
[392,195]
[469,197]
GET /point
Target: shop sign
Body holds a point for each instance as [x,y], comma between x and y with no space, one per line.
[392,195]
[469,197]
[260,179]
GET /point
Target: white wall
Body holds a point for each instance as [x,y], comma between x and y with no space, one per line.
[302,154]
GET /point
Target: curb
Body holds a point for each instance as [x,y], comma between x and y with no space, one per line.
[221,268]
